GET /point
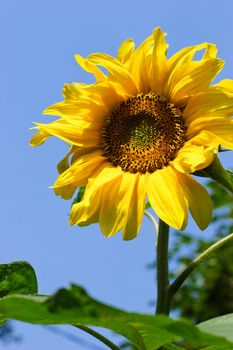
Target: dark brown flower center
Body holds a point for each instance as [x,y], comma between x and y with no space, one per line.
[143,134]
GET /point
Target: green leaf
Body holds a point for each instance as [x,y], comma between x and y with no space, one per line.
[222,325]
[75,306]
[3,319]
[17,277]
[172,347]
[216,347]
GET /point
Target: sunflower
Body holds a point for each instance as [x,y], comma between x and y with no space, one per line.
[137,133]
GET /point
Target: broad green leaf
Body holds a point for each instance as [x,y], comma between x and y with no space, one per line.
[191,335]
[3,319]
[222,326]
[17,277]
[216,347]
[75,306]
[172,347]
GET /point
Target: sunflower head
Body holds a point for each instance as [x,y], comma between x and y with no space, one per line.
[137,134]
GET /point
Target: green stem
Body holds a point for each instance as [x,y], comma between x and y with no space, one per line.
[225,180]
[217,172]
[98,336]
[175,286]
[162,268]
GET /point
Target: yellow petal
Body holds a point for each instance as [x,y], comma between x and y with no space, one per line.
[166,197]
[198,199]
[225,85]
[39,138]
[183,72]
[90,68]
[75,109]
[78,135]
[76,90]
[158,61]
[211,51]
[186,55]
[212,102]
[84,214]
[127,212]
[87,211]
[81,170]
[104,174]
[177,62]
[193,157]
[208,138]
[110,95]
[139,64]
[79,152]
[63,165]
[117,73]
[197,76]
[66,192]
[125,50]
[136,208]
[111,218]
[220,127]
[105,95]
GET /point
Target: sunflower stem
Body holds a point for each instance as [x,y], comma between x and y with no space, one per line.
[217,172]
[98,336]
[175,286]
[162,269]
[225,179]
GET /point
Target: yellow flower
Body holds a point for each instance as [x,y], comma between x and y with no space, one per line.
[139,132]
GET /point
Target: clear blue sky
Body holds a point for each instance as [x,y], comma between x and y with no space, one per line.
[38,42]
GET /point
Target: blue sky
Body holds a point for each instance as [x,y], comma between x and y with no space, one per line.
[38,43]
